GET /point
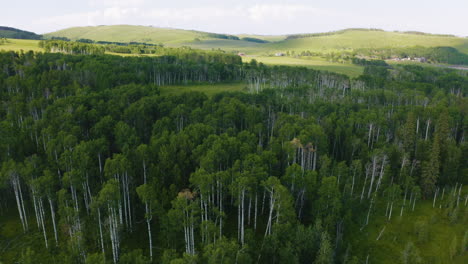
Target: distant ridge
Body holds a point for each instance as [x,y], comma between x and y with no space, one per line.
[14,33]
[346,39]
[307,35]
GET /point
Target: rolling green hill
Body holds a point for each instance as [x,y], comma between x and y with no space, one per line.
[350,39]
[127,33]
[14,33]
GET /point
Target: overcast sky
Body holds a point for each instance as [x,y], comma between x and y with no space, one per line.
[241,16]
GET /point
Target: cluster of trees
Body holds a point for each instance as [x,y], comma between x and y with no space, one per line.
[364,62]
[447,55]
[256,40]
[310,35]
[104,169]
[70,47]
[222,36]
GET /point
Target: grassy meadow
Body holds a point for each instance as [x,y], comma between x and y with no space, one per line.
[21,44]
[436,235]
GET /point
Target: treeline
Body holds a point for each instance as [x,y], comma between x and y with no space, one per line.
[90,41]
[364,62]
[98,167]
[310,35]
[256,40]
[447,55]
[222,36]
[69,47]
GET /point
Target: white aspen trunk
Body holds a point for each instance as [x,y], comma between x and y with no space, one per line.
[364,185]
[427,129]
[391,210]
[368,213]
[414,203]
[382,171]
[459,193]
[22,204]
[404,203]
[186,238]
[242,219]
[221,210]
[150,238]
[381,232]
[193,237]
[100,231]
[250,209]
[41,213]
[369,135]
[417,126]
[129,202]
[52,212]
[239,217]
[18,202]
[36,211]
[435,197]
[374,167]
[270,215]
[255,213]
[100,163]
[263,201]
[315,158]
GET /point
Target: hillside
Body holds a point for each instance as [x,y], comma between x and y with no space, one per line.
[358,39]
[14,33]
[341,40]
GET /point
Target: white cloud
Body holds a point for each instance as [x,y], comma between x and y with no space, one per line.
[116,3]
[278,11]
[265,18]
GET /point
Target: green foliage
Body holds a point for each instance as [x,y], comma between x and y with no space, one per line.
[410,254]
[14,33]
[301,166]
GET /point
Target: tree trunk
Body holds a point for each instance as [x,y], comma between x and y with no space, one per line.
[52,212]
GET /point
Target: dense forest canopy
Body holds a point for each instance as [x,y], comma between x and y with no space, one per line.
[98,166]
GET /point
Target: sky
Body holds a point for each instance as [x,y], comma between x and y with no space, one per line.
[266,17]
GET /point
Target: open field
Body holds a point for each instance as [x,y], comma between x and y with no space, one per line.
[21,44]
[313,63]
[430,229]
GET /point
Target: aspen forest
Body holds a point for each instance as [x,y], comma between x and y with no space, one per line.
[98,164]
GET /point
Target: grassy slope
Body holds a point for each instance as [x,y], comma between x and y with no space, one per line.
[351,39]
[355,39]
[398,231]
[21,44]
[127,33]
